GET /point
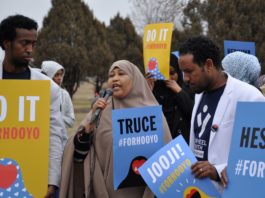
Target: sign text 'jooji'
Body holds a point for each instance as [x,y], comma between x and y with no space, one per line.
[168,173]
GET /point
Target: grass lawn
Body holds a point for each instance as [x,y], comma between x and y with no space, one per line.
[82,100]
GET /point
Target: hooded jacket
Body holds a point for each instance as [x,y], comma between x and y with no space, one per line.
[51,68]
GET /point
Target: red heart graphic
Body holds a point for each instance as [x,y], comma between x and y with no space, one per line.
[137,164]
[151,64]
[8,175]
[192,192]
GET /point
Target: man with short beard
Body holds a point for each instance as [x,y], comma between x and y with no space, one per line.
[18,35]
[213,116]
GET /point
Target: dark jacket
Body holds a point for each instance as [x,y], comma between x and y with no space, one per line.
[177,108]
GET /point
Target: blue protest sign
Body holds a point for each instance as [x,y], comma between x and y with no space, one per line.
[137,134]
[168,173]
[246,163]
[246,47]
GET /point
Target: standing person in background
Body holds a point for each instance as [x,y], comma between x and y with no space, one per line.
[262,88]
[56,72]
[18,35]
[213,116]
[261,83]
[88,157]
[175,98]
[242,66]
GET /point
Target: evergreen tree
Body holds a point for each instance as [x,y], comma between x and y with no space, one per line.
[124,41]
[99,52]
[61,39]
[72,37]
[236,20]
[191,25]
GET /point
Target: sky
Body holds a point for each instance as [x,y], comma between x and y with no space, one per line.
[103,10]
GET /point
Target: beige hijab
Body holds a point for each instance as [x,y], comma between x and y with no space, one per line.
[95,176]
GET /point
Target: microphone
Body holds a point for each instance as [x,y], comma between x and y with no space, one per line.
[96,115]
[102,93]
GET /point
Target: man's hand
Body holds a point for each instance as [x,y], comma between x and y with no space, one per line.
[202,169]
[51,191]
[150,80]
[224,179]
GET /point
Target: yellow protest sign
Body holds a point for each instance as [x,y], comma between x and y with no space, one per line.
[24,137]
[156,46]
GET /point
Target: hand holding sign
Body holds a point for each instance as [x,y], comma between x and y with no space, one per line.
[168,173]
[224,179]
[203,169]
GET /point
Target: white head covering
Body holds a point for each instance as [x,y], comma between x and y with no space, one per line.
[245,67]
[51,67]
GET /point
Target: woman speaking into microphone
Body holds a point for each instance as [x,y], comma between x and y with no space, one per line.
[87,169]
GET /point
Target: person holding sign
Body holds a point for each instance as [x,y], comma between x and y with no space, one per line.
[175,98]
[18,35]
[217,94]
[88,157]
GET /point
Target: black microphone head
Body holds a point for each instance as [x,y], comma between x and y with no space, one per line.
[109,92]
[95,118]
[102,93]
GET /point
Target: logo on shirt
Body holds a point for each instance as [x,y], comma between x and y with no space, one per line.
[203,123]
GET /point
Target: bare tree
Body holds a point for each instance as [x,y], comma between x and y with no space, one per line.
[150,11]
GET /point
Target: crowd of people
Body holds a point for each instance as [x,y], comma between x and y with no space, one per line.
[198,100]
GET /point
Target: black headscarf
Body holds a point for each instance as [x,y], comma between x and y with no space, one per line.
[174,63]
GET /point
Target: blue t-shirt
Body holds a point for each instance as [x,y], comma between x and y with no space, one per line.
[19,76]
[203,122]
